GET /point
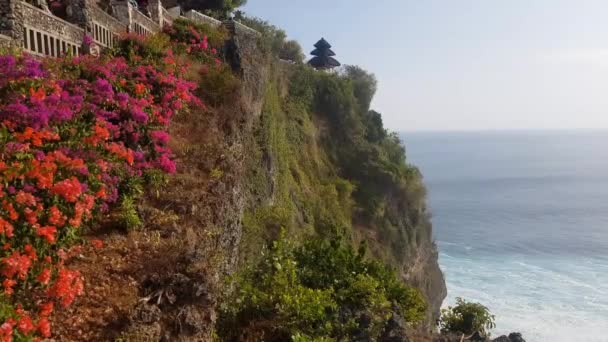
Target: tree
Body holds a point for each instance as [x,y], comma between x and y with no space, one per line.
[375,131]
[274,38]
[364,84]
[291,51]
[215,8]
[466,318]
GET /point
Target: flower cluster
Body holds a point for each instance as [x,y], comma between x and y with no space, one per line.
[198,40]
[73,131]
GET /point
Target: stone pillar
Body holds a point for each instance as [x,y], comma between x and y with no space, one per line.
[155,8]
[121,10]
[11,20]
[77,13]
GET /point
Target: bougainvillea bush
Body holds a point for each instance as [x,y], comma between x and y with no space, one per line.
[75,135]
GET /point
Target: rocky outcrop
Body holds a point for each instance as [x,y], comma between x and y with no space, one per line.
[425,274]
[513,337]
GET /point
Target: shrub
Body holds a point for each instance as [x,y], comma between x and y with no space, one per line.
[205,44]
[274,39]
[218,85]
[215,8]
[466,318]
[77,136]
[318,291]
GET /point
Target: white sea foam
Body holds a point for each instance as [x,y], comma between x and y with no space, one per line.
[542,304]
[521,220]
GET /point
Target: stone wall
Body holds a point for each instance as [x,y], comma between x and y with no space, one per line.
[5,41]
[201,18]
[41,33]
[142,24]
[46,35]
[105,29]
[168,16]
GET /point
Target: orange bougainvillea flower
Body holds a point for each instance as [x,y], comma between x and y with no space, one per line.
[140,89]
[70,189]
[12,213]
[25,198]
[67,287]
[48,233]
[56,217]
[8,286]
[37,94]
[6,228]
[16,265]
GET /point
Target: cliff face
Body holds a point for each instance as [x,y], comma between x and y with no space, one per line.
[314,170]
[293,150]
[163,281]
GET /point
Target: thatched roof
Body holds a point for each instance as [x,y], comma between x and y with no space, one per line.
[322,44]
[324,62]
[321,52]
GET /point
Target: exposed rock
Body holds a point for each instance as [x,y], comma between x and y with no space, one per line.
[516,337]
[394,331]
[502,338]
[143,333]
[513,337]
[146,313]
[477,337]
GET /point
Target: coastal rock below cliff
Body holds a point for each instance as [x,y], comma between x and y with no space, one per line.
[513,337]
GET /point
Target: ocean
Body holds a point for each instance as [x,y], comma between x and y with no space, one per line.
[521,222]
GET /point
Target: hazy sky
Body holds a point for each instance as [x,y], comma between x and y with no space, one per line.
[466,64]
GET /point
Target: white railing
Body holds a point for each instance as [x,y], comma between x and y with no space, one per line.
[44,34]
[141,24]
[105,28]
[48,35]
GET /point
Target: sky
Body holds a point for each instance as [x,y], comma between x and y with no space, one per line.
[466,64]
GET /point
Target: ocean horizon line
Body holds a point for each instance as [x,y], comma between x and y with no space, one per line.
[505,130]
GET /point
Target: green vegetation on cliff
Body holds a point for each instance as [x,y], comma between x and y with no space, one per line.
[322,289]
[324,170]
[326,164]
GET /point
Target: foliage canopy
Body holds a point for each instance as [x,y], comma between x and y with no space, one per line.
[466,318]
[322,289]
[215,8]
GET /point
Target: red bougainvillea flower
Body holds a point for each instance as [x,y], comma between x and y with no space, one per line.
[25,324]
[46,309]
[67,287]
[44,327]
[56,217]
[6,331]
[69,189]
[48,233]
[97,243]
[45,276]
[6,228]
[16,264]
[8,286]
[71,138]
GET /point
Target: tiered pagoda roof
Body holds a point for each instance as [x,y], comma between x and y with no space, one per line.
[323,56]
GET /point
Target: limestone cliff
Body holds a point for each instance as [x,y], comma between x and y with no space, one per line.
[314,170]
[291,149]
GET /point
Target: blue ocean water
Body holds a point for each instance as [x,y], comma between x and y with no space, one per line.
[521,221]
